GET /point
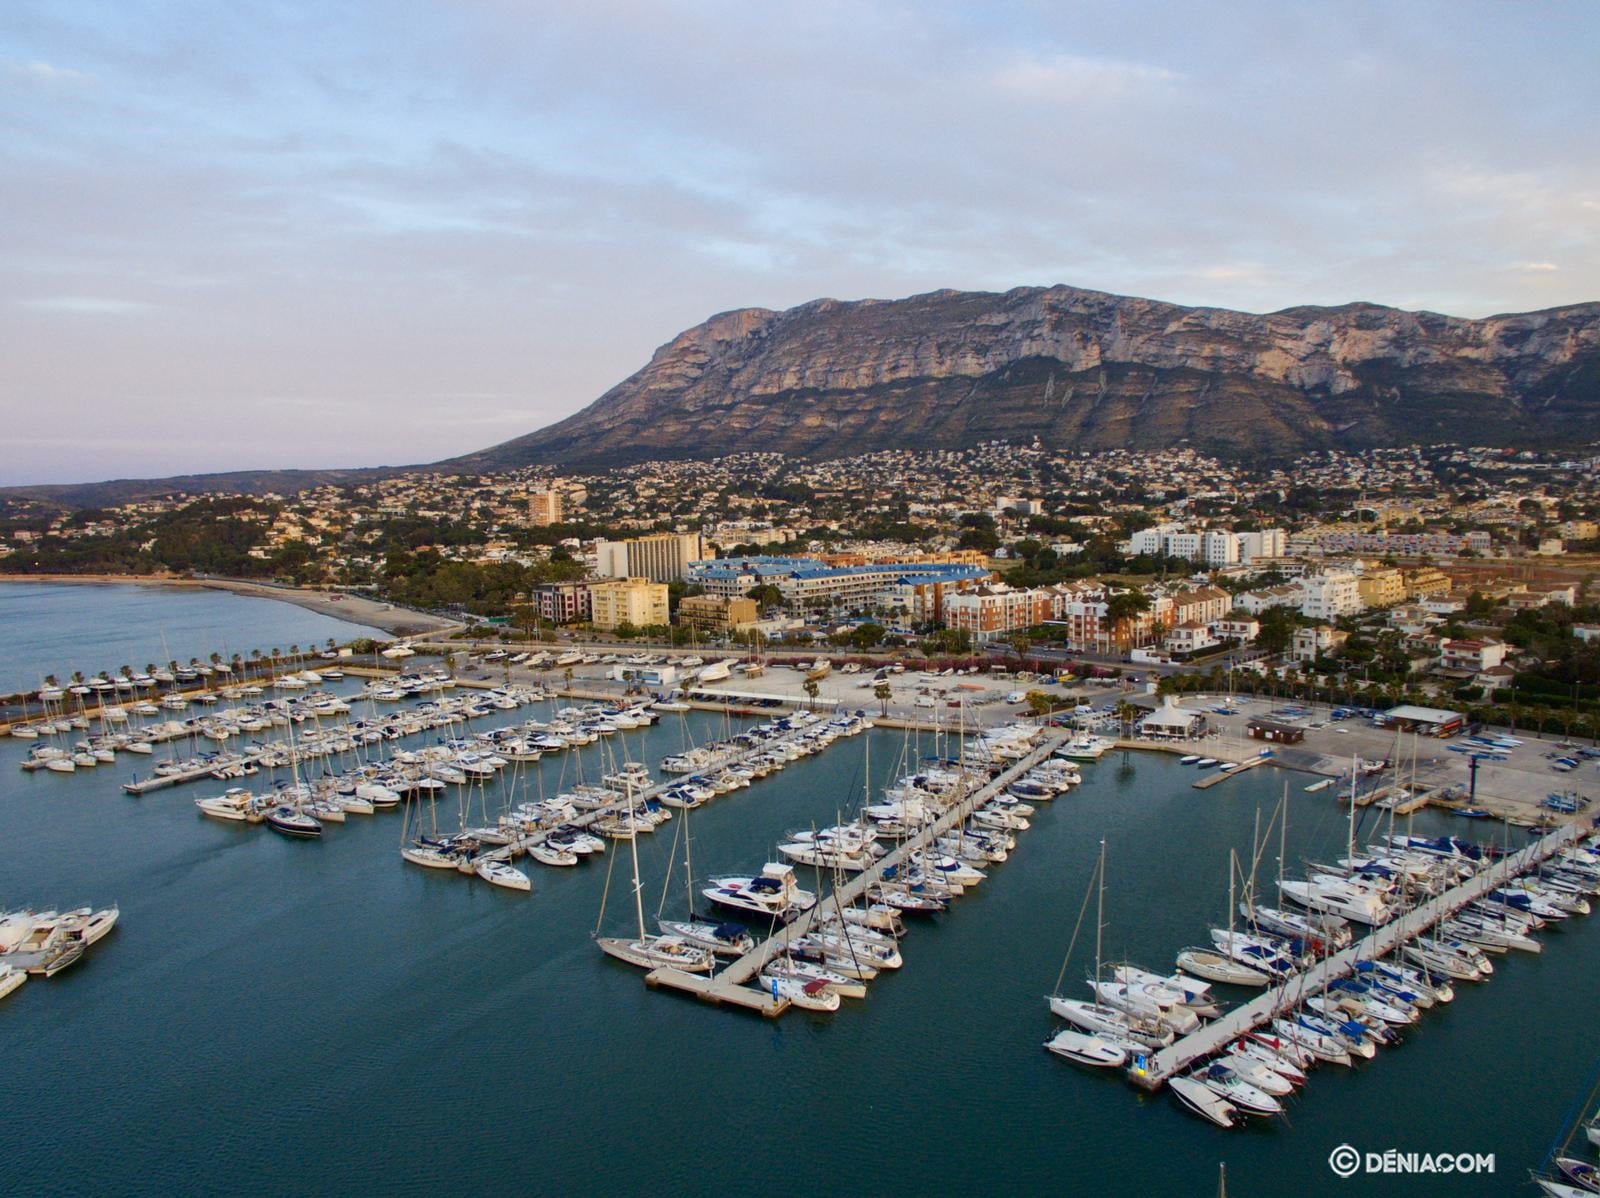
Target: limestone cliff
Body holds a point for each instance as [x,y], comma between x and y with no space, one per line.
[1083,368]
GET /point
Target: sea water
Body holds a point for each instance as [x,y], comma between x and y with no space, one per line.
[50,628]
[287,1017]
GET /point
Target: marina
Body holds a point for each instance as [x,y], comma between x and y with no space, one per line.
[511,965]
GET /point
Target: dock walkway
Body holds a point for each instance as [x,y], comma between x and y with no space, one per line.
[730,984]
[1218,776]
[1213,1037]
[514,849]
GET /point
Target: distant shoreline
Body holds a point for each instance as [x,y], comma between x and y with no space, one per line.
[353,609]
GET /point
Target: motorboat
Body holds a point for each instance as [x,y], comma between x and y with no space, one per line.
[1336,898]
[234,804]
[1084,1049]
[1202,1100]
[773,893]
[1257,1072]
[1227,1084]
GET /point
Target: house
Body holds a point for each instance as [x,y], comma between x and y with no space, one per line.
[1319,641]
[1256,602]
[1495,678]
[1190,637]
[1240,628]
[1473,655]
[1273,730]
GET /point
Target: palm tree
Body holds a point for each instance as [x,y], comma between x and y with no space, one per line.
[812,687]
[882,693]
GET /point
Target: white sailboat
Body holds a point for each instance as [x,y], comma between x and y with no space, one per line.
[652,951]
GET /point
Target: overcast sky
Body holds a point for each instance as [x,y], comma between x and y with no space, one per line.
[324,234]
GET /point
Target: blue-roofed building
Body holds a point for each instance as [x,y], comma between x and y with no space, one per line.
[917,588]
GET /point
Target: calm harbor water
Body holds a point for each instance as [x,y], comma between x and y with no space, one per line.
[284,1017]
[49,628]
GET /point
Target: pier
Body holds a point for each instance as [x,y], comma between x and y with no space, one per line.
[1219,776]
[510,851]
[731,983]
[1213,1037]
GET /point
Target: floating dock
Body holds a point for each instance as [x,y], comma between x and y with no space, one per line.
[1217,776]
[731,983]
[508,852]
[1213,1037]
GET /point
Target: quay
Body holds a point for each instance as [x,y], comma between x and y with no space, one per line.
[513,849]
[731,983]
[1211,1038]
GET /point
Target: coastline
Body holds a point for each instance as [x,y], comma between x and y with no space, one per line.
[353,609]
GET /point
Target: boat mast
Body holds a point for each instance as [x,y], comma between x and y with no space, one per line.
[1350,836]
[633,847]
[1099,918]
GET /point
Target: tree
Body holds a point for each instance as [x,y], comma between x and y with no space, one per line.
[812,687]
[766,595]
[882,693]
[1039,703]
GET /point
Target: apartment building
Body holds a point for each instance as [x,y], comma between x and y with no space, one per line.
[636,601]
[659,557]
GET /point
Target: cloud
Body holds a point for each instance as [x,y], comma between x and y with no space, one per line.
[468,224]
[42,73]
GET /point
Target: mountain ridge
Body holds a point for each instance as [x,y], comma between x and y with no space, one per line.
[1086,369]
[1074,367]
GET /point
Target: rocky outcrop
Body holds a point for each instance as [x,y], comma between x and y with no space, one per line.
[1086,369]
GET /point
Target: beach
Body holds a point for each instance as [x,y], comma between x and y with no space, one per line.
[356,609]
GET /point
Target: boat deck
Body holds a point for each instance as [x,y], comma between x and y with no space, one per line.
[1154,1071]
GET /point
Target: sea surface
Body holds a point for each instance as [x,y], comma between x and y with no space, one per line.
[286,1017]
[50,628]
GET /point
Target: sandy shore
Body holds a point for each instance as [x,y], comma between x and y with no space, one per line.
[354,608]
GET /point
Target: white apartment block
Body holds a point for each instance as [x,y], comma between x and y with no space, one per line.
[1215,547]
[1329,596]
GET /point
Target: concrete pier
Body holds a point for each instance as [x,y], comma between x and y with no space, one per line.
[1211,1038]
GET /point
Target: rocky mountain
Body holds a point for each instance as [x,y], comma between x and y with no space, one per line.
[1086,369]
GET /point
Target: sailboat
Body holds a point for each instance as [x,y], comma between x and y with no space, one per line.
[648,951]
[1098,1018]
[1220,964]
[725,938]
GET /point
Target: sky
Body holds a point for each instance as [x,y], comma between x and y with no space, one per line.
[244,236]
